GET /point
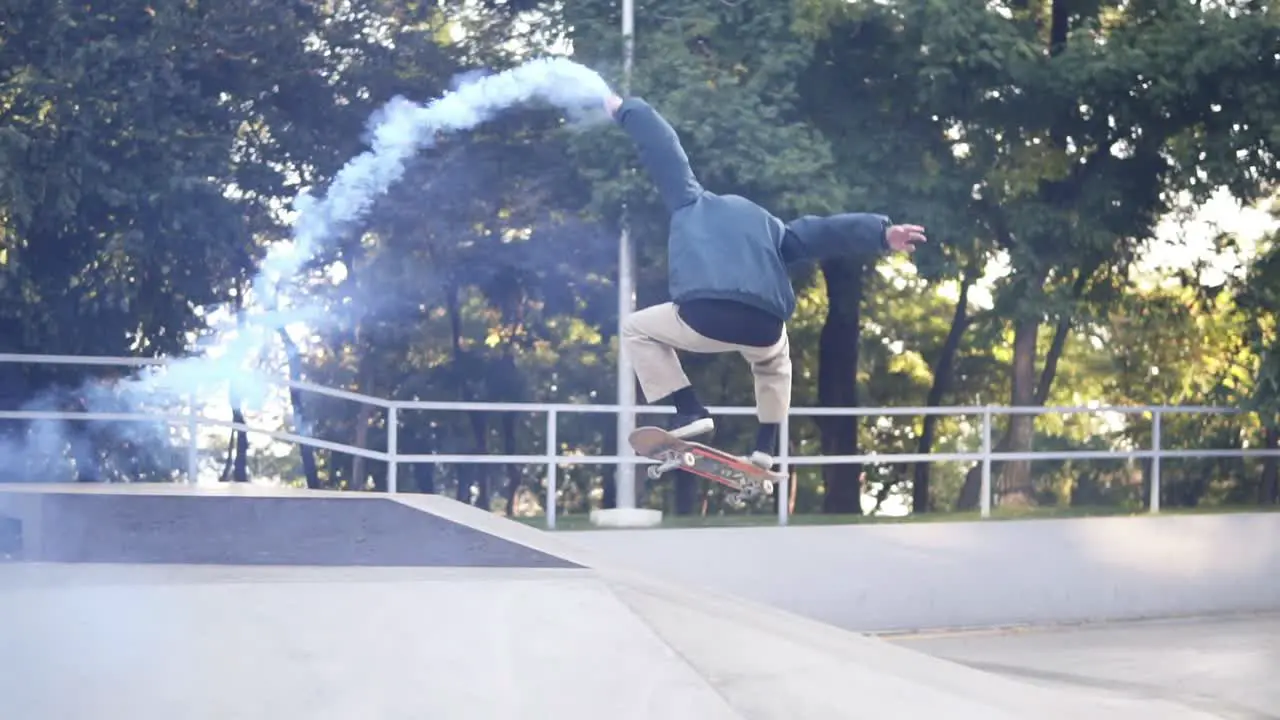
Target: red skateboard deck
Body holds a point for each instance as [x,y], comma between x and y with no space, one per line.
[673,453]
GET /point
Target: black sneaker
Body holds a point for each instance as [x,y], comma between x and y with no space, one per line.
[689,426]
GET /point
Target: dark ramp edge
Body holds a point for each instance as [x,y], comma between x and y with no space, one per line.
[267,531]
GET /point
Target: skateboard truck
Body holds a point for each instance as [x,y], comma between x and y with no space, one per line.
[669,460]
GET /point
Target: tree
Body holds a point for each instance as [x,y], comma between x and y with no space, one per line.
[1259,299]
[138,170]
[1077,135]
[894,131]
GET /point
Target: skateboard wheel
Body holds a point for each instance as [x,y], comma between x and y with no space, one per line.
[654,472]
[689,459]
[767,487]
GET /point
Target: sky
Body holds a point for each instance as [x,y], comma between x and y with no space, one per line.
[1176,245]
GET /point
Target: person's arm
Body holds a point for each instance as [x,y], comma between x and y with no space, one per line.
[659,149]
[851,234]
[862,235]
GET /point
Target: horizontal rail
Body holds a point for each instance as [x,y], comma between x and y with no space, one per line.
[446,458]
[584,408]
[340,394]
[579,459]
[176,419]
[99,360]
[534,407]
[1217,453]
[982,415]
[300,439]
[87,415]
[884,459]
[638,460]
[105,361]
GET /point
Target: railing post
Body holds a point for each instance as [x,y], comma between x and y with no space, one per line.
[553,450]
[783,491]
[1156,422]
[193,442]
[985,500]
[393,442]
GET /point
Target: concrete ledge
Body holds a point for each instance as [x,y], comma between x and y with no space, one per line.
[626,518]
[919,577]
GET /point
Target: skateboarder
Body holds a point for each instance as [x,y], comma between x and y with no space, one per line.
[727,263]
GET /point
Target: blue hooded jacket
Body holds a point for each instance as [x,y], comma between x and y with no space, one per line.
[726,247]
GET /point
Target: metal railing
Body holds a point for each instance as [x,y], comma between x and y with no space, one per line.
[553,460]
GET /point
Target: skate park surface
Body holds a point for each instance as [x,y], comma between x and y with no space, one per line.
[1226,666]
[157,601]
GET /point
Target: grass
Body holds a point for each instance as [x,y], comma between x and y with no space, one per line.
[580,522]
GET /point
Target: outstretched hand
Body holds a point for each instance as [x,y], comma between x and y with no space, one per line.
[903,238]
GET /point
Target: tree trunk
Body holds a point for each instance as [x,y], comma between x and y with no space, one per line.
[686,491]
[1024,363]
[484,483]
[609,475]
[469,474]
[240,472]
[363,340]
[237,465]
[837,383]
[238,445]
[942,372]
[466,481]
[472,475]
[971,490]
[1015,476]
[514,478]
[1014,481]
[1270,494]
[424,478]
[231,453]
[359,478]
[301,426]
[84,453]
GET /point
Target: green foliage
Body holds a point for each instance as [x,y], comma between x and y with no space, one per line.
[145,153]
[1259,300]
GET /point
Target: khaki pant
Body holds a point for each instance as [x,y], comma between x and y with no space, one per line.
[653,335]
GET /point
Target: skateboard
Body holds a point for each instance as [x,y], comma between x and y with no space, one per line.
[672,453]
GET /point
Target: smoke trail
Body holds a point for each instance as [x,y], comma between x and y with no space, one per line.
[395,133]
[402,128]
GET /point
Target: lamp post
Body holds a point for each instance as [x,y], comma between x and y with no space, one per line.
[626,513]
[625,474]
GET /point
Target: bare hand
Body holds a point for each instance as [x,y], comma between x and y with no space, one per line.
[903,238]
[611,105]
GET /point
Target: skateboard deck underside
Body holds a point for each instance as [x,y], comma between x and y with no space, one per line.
[702,460]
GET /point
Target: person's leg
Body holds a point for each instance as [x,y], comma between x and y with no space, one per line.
[771,369]
[652,336]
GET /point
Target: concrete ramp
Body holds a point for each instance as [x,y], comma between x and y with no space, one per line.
[166,603]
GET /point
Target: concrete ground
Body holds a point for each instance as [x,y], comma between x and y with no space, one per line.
[168,603]
[1228,666]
